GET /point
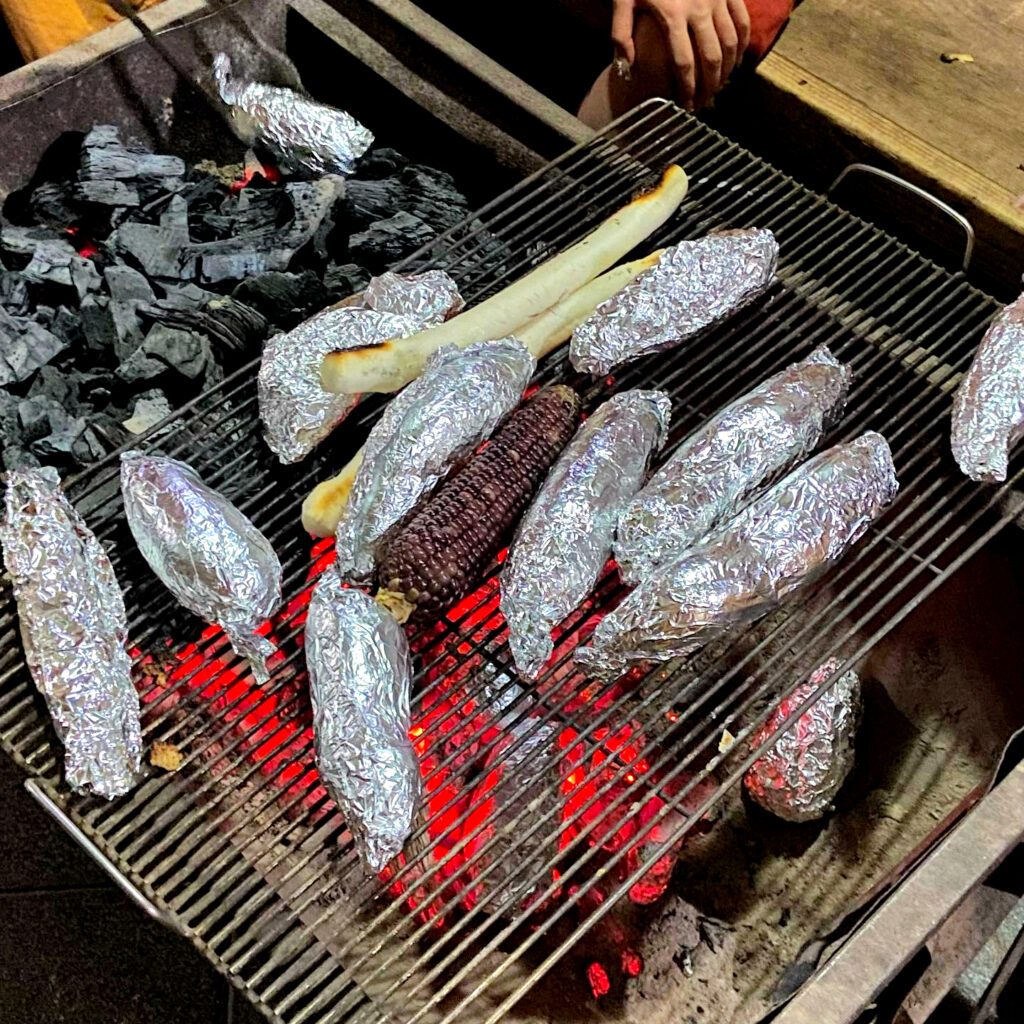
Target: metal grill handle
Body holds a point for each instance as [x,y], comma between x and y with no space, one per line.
[56,812]
[895,179]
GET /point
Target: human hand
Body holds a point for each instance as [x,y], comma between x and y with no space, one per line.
[709,35]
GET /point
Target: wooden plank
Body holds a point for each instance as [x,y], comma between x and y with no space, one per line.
[887,53]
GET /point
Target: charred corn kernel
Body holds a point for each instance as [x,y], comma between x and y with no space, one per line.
[437,554]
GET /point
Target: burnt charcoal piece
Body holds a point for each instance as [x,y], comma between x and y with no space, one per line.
[61,387]
[228,324]
[233,259]
[421,191]
[283,299]
[344,280]
[59,443]
[25,345]
[14,295]
[388,241]
[104,156]
[149,409]
[140,368]
[107,193]
[90,445]
[128,291]
[181,351]
[98,327]
[380,163]
[53,261]
[34,416]
[157,248]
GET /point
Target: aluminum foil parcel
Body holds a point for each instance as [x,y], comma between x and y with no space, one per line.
[799,777]
[73,628]
[565,539]
[693,285]
[360,674]
[787,538]
[204,550]
[299,131]
[458,400]
[716,470]
[296,412]
[988,408]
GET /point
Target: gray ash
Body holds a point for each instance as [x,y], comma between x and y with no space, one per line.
[130,283]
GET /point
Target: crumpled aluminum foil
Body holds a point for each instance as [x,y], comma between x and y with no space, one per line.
[74,629]
[988,408]
[505,810]
[786,539]
[296,411]
[565,539]
[301,132]
[360,675]
[745,446]
[692,285]
[430,298]
[798,779]
[204,550]
[458,400]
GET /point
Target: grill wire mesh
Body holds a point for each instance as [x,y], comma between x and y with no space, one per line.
[240,845]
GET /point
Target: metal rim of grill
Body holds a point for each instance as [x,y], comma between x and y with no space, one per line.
[230,844]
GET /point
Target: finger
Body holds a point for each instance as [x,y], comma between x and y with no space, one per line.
[678,33]
[709,57]
[741,19]
[727,39]
[622,29]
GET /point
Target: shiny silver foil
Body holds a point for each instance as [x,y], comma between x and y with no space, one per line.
[297,413]
[73,629]
[787,538]
[360,674]
[799,777]
[458,400]
[715,470]
[204,550]
[515,793]
[692,285]
[301,132]
[430,298]
[565,539]
[988,408]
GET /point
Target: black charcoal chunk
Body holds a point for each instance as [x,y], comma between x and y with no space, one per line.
[388,241]
[89,446]
[128,291]
[14,295]
[140,367]
[34,416]
[345,279]
[107,193]
[181,351]
[428,194]
[149,409]
[98,325]
[127,285]
[58,385]
[25,345]
[232,259]
[157,247]
[284,299]
[104,156]
[380,163]
[61,439]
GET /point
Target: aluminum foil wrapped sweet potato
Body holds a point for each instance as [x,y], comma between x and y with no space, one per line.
[301,132]
[296,411]
[787,538]
[718,467]
[988,408]
[799,777]
[565,539]
[693,285]
[205,551]
[73,628]
[461,396]
[360,674]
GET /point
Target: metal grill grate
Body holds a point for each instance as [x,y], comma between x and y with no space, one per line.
[245,851]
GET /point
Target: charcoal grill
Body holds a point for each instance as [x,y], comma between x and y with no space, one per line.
[240,851]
